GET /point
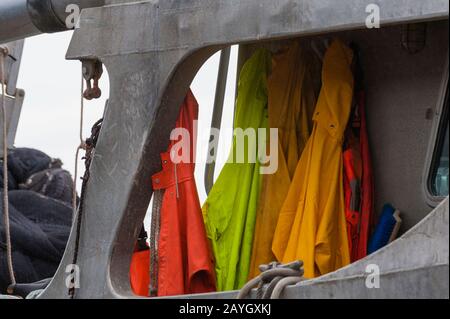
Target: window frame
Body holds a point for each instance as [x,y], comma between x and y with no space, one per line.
[437,136]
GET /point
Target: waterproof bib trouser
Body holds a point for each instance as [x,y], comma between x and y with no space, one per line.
[291,101]
[230,209]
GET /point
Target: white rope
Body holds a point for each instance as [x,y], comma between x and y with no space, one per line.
[277,276]
[3,54]
[80,147]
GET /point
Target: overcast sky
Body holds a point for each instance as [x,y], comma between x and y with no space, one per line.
[51,111]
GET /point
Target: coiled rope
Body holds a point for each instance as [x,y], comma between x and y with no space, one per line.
[3,54]
[273,279]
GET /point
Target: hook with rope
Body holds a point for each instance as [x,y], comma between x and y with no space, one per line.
[3,54]
[82,146]
[91,69]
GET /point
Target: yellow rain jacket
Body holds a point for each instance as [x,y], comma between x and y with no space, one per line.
[311,225]
[292,91]
[230,209]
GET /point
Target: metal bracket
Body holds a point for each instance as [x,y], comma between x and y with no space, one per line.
[13,110]
[12,64]
[14,98]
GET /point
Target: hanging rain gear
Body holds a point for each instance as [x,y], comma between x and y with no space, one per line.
[139,272]
[352,192]
[292,93]
[358,181]
[140,266]
[185,262]
[367,205]
[230,209]
[311,225]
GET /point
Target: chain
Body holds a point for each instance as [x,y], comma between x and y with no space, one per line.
[90,148]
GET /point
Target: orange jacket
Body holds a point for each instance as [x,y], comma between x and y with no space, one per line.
[185,262]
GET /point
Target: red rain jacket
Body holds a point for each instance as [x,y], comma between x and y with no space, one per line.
[185,259]
[358,183]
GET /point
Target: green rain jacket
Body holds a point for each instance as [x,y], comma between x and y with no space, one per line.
[230,209]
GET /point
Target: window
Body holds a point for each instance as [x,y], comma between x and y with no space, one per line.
[438,182]
[437,167]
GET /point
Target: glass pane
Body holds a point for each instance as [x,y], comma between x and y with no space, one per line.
[440,177]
